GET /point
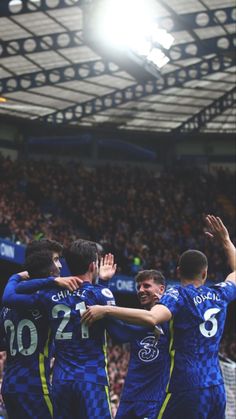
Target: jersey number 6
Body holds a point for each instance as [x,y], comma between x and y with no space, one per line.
[209,317]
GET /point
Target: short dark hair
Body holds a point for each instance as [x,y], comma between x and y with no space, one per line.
[157,276]
[43,245]
[192,263]
[39,264]
[80,255]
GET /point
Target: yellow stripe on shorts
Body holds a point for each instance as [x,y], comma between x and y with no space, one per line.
[171,352]
[163,408]
[43,376]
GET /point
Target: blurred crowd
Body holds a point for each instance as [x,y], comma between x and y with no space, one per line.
[228,346]
[118,360]
[146,218]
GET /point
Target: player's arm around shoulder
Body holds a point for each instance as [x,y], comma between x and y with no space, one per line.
[96,309]
[157,314]
[12,299]
[10,289]
[172,300]
[160,313]
[69,282]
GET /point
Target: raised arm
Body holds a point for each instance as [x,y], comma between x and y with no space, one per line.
[158,314]
[232,277]
[107,269]
[218,231]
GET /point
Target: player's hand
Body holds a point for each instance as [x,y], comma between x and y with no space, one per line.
[158,331]
[24,274]
[107,267]
[217,229]
[92,314]
[71,283]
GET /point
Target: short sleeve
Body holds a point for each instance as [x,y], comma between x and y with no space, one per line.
[172,300]
[226,290]
[106,297]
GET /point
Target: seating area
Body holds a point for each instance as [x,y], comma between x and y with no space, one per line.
[146,218]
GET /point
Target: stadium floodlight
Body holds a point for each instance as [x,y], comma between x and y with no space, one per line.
[123,23]
[156,56]
[127,28]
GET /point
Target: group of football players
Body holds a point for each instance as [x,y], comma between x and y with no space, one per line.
[174,369]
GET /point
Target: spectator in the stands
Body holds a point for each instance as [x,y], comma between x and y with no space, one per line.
[145,218]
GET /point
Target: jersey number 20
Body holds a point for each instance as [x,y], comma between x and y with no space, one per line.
[17,332]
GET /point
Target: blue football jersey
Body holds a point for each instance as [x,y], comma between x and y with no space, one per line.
[28,343]
[196,329]
[149,367]
[80,352]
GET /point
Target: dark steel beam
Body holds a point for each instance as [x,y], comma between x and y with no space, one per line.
[56,41]
[32,44]
[27,6]
[196,20]
[176,78]
[204,19]
[79,71]
[219,45]
[207,114]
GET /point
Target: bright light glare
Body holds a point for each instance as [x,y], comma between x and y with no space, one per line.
[157,57]
[124,23]
[130,24]
[162,37]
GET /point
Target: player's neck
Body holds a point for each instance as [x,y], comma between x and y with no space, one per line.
[87,277]
[198,282]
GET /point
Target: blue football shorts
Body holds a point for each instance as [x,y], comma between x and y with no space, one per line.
[80,400]
[138,410]
[202,403]
[28,406]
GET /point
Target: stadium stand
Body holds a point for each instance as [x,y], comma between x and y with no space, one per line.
[162,215]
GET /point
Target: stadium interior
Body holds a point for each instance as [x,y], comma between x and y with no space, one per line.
[129,144]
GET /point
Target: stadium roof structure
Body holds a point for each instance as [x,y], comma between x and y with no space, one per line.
[49,73]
